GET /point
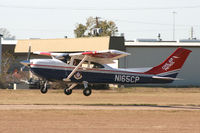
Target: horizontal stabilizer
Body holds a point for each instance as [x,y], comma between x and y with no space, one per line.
[166,78]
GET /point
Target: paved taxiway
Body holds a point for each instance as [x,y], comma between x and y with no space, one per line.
[95,107]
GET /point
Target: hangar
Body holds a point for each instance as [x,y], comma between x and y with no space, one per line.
[150,52]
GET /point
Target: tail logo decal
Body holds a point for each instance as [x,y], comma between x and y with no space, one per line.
[169,64]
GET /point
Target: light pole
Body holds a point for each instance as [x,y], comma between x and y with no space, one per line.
[174,25]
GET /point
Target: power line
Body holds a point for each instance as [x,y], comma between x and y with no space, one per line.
[152,23]
[89,8]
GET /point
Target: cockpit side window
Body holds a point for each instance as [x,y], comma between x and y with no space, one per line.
[92,65]
[97,65]
[66,59]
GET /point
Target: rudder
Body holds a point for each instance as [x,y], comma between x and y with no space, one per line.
[172,64]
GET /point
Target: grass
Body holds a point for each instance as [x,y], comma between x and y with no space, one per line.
[157,90]
[139,96]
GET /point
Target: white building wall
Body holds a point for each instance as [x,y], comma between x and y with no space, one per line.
[149,56]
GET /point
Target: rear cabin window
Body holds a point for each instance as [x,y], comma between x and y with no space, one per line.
[92,65]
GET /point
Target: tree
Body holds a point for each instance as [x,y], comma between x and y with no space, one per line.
[6,34]
[7,61]
[96,27]
[80,30]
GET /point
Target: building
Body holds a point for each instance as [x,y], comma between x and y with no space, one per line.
[6,46]
[149,53]
[70,44]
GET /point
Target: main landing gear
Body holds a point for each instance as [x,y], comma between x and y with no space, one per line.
[87,91]
[68,91]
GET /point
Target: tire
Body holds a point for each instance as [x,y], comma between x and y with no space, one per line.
[43,90]
[87,91]
[68,92]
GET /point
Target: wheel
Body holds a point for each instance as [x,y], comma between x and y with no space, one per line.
[68,92]
[87,91]
[43,90]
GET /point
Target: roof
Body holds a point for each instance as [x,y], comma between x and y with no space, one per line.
[8,42]
[179,44]
[67,44]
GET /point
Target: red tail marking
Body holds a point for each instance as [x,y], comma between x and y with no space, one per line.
[173,62]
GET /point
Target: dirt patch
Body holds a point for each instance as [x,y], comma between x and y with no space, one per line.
[93,121]
[29,111]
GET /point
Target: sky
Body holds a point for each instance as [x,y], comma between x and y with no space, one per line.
[135,18]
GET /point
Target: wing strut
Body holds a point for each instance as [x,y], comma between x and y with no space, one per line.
[75,69]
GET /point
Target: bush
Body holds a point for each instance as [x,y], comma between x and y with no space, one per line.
[3,82]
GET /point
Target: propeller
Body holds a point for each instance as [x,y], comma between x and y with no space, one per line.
[29,53]
[26,62]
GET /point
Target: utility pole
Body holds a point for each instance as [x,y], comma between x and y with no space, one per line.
[174,25]
[97,22]
[191,37]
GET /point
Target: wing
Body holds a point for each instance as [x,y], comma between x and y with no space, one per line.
[54,55]
[101,57]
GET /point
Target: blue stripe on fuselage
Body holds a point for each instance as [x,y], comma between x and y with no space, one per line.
[96,77]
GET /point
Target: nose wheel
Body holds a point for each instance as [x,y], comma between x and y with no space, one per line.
[44,88]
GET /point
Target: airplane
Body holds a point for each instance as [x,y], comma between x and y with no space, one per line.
[92,67]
